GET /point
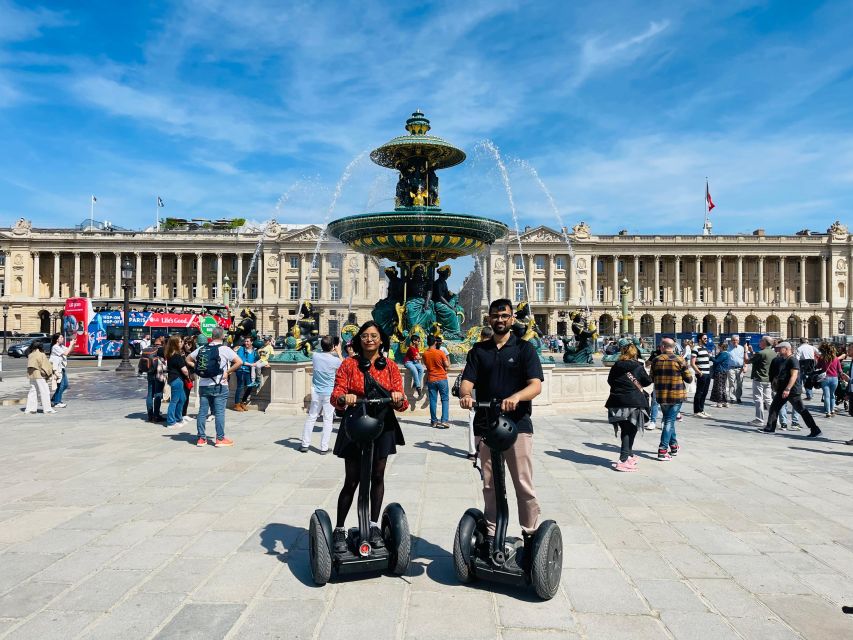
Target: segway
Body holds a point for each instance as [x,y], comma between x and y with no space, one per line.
[507,560]
[360,556]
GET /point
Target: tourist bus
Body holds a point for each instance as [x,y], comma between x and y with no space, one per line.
[99,324]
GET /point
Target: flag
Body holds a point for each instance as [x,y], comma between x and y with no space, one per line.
[160,202]
[708,202]
[94,199]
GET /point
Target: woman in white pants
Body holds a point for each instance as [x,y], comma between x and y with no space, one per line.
[39,370]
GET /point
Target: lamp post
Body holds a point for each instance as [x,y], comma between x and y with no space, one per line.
[226,290]
[126,283]
[5,315]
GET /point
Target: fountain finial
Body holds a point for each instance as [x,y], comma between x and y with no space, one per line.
[417,125]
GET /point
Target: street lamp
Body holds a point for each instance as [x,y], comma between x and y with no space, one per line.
[5,315]
[226,289]
[126,283]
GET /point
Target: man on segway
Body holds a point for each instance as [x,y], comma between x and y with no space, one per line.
[508,369]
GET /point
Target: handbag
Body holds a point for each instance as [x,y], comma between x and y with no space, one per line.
[457,384]
[188,384]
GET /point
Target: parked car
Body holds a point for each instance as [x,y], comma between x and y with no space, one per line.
[19,349]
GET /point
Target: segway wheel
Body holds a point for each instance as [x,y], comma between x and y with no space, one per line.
[318,551]
[398,540]
[547,566]
[465,545]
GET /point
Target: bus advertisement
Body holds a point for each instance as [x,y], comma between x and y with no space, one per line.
[104,329]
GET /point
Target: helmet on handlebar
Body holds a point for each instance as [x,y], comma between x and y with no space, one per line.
[362,427]
[502,433]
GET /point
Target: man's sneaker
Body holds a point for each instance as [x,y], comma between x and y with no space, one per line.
[376,540]
[794,427]
[650,426]
[767,430]
[704,414]
[60,405]
[223,442]
[625,467]
[339,537]
[673,450]
[442,425]
[201,442]
[663,455]
[210,418]
[814,433]
[303,449]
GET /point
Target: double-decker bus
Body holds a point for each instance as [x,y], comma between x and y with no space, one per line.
[99,324]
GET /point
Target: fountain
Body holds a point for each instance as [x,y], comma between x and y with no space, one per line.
[418,235]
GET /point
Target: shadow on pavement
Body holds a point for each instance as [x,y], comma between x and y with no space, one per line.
[290,443]
[832,453]
[189,438]
[440,447]
[580,458]
[137,416]
[288,536]
[615,448]
[440,567]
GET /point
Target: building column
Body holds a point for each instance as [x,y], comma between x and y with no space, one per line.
[281,291]
[36,275]
[782,297]
[486,272]
[7,275]
[677,279]
[218,277]
[637,292]
[321,276]
[97,292]
[531,294]
[803,298]
[158,273]
[592,295]
[718,294]
[138,274]
[824,267]
[179,272]
[239,283]
[117,281]
[551,293]
[739,296]
[761,297]
[656,292]
[199,283]
[614,295]
[697,282]
[76,274]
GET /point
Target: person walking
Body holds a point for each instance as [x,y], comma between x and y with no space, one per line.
[829,364]
[188,345]
[651,425]
[59,351]
[486,333]
[700,362]
[177,375]
[720,374]
[412,362]
[669,373]
[249,355]
[213,363]
[737,365]
[806,355]
[324,364]
[789,388]
[508,369]
[157,375]
[762,394]
[437,364]
[367,374]
[775,365]
[39,370]
[627,405]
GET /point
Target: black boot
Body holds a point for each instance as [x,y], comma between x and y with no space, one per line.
[376,540]
[340,540]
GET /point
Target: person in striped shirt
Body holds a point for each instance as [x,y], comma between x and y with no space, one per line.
[700,362]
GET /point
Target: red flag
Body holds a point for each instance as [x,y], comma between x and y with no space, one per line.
[708,201]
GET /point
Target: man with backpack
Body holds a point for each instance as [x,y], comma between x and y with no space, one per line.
[213,363]
[153,366]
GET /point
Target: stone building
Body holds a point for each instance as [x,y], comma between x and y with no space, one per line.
[792,285]
[42,267]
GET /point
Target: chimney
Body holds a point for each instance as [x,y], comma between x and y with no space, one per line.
[759,233]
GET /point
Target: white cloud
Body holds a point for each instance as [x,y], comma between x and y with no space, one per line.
[18,24]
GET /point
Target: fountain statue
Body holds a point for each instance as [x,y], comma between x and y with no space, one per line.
[418,236]
[585,333]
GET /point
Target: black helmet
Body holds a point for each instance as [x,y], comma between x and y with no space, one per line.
[502,433]
[361,427]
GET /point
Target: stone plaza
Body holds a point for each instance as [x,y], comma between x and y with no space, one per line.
[112,527]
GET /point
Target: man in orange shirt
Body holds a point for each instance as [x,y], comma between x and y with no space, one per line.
[437,363]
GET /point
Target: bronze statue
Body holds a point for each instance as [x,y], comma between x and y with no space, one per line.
[585,333]
[447,308]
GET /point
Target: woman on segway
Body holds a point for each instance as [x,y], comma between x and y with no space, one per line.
[368,374]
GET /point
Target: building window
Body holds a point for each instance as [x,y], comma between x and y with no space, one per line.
[355,287]
[519,263]
[315,290]
[234,264]
[660,266]
[174,289]
[194,290]
[294,261]
[701,267]
[540,262]
[799,295]
[798,266]
[2,288]
[334,291]
[620,266]
[722,266]
[253,290]
[335,260]
[214,295]
[560,291]
[2,258]
[519,292]
[640,265]
[176,264]
[599,266]
[701,294]
[540,291]
[661,294]
[599,293]
[561,263]
[294,290]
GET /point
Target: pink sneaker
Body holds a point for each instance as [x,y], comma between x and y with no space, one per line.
[634,460]
[626,466]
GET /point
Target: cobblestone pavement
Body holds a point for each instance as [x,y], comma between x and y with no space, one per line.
[111,527]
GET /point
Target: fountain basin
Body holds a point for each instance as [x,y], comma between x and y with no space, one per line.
[417,234]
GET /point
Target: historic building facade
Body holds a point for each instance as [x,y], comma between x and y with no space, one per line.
[796,285]
[792,285]
[42,267]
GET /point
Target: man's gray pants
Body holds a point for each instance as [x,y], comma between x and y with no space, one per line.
[762,396]
[735,384]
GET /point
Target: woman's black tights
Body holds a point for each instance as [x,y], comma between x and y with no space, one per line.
[629,432]
[352,467]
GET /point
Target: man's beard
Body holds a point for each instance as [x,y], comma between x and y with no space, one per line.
[501,331]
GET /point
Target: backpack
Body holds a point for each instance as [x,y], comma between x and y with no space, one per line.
[454,391]
[207,364]
[146,359]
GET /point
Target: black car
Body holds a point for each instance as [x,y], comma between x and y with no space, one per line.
[19,349]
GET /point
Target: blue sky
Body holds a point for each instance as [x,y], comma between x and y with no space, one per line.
[254,109]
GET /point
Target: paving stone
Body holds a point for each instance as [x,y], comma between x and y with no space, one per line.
[53,625]
[76,566]
[670,595]
[28,598]
[100,592]
[182,575]
[729,598]
[764,629]
[518,607]
[280,620]
[619,627]
[464,614]
[586,556]
[760,574]
[692,625]
[811,616]
[214,544]
[601,591]
[201,622]
[294,581]
[238,578]
[17,567]
[137,617]
[644,565]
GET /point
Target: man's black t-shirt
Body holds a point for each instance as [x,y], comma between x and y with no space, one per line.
[784,376]
[499,373]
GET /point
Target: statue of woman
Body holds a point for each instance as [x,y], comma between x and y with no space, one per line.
[446,308]
[420,309]
[385,311]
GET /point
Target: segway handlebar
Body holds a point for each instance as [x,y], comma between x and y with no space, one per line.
[494,404]
[373,401]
